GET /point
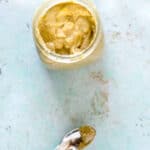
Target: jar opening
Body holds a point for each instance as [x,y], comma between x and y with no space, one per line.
[65,57]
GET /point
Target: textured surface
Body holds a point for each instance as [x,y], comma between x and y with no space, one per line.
[38,106]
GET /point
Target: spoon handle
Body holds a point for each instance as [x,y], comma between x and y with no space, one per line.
[67,148]
[72,148]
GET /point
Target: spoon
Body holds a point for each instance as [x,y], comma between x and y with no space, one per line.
[77,139]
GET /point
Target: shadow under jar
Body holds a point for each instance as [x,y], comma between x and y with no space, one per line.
[67,33]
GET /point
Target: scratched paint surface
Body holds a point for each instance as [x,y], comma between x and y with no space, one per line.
[38,106]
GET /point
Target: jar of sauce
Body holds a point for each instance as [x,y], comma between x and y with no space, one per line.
[67,33]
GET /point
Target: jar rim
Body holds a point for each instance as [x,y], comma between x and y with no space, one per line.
[73,57]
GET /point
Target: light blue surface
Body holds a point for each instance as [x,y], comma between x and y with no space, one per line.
[37,106]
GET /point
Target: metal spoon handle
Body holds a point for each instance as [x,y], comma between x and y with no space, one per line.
[68,148]
[72,148]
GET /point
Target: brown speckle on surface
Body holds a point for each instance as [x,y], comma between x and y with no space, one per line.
[73,119]
[115,35]
[90,108]
[99,105]
[99,102]
[131,36]
[98,76]
[79,118]
[105,95]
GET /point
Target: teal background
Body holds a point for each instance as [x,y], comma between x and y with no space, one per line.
[38,106]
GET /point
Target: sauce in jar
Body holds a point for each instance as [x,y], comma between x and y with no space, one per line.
[67,33]
[67,28]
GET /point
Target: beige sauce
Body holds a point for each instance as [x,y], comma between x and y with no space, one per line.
[67,28]
[88,134]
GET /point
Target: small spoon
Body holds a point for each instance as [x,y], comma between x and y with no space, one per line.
[77,139]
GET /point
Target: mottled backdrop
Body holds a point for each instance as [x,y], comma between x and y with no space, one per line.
[37,106]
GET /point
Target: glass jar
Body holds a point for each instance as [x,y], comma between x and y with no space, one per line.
[58,61]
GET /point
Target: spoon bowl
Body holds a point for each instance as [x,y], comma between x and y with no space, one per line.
[77,139]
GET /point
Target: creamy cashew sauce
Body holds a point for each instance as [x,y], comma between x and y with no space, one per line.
[88,134]
[67,28]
